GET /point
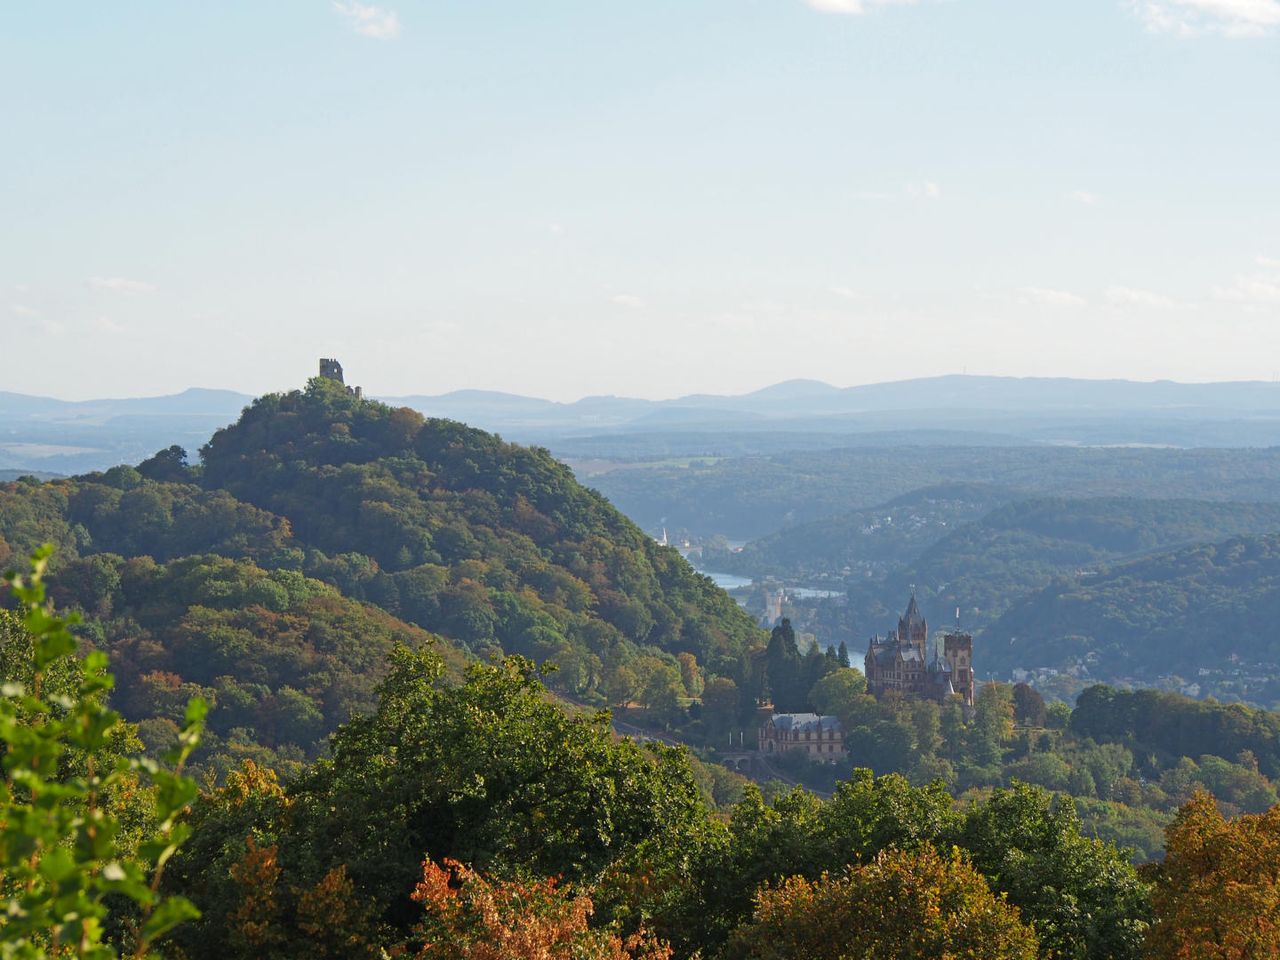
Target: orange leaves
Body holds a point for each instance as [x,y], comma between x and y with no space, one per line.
[469,917]
[1217,894]
[256,874]
[901,906]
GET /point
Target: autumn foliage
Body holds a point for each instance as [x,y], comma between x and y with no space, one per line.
[1217,895]
[468,917]
[900,906]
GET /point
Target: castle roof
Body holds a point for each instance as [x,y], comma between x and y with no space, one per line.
[804,721]
[913,617]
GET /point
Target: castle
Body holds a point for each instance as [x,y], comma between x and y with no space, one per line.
[904,661]
[331,369]
[820,738]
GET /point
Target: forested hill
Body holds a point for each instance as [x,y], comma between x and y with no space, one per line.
[987,566]
[1212,607]
[493,546]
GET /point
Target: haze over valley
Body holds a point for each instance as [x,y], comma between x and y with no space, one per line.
[680,480]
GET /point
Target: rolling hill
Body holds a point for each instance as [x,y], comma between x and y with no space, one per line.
[354,505]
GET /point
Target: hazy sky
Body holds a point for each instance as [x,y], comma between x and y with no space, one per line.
[655,197]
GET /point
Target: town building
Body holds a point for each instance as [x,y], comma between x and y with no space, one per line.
[819,737]
[909,662]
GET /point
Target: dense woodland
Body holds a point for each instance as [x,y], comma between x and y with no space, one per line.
[478,819]
[1118,590]
[397,635]
[749,497]
[492,547]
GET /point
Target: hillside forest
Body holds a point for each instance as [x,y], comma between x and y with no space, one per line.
[402,638]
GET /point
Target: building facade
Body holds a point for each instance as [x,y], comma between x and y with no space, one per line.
[907,662]
[819,737]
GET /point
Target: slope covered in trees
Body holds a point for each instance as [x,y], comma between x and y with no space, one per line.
[989,565]
[749,497]
[1210,607]
[868,542]
[331,506]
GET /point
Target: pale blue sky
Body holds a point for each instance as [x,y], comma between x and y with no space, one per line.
[646,198]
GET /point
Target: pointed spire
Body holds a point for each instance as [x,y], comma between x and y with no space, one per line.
[912,616]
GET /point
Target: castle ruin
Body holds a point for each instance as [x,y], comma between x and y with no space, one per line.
[331,369]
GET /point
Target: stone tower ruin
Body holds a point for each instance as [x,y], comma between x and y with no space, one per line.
[331,369]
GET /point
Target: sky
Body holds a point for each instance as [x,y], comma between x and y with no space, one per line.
[649,198]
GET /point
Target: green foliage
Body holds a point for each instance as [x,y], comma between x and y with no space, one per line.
[66,852]
[492,546]
[282,659]
[488,772]
[1158,616]
[749,497]
[1083,897]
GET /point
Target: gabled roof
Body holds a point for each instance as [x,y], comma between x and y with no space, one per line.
[804,721]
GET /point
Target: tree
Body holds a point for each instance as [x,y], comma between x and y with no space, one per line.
[1083,896]
[841,693]
[466,916]
[721,703]
[488,772]
[927,725]
[917,905]
[843,655]
[1028,706]
[992,725]
[621,687]
[782,669]
[1217,893]
[64,845]
[167,465]
[660,688]
[690,674]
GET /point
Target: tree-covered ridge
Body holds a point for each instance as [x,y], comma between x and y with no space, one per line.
[493,547]
[122,511]
[749,497]
[871,541]
[987,566]
[1211,607]
[421,497]
[280,658]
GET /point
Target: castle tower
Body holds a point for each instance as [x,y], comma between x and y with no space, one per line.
[913,629]
[957,651]
[331,369]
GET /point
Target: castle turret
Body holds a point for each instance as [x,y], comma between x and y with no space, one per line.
[331,369]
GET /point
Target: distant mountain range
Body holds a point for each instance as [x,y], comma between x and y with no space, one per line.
[46,434]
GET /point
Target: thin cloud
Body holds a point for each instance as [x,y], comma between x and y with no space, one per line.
[121,285]
[1086,197]
[1046,296]
[628,300]
[853,8]
[1191,18]
[847,293]
[368,20]
[928,190]
[1133,297]
[22,310]
[1254,289]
